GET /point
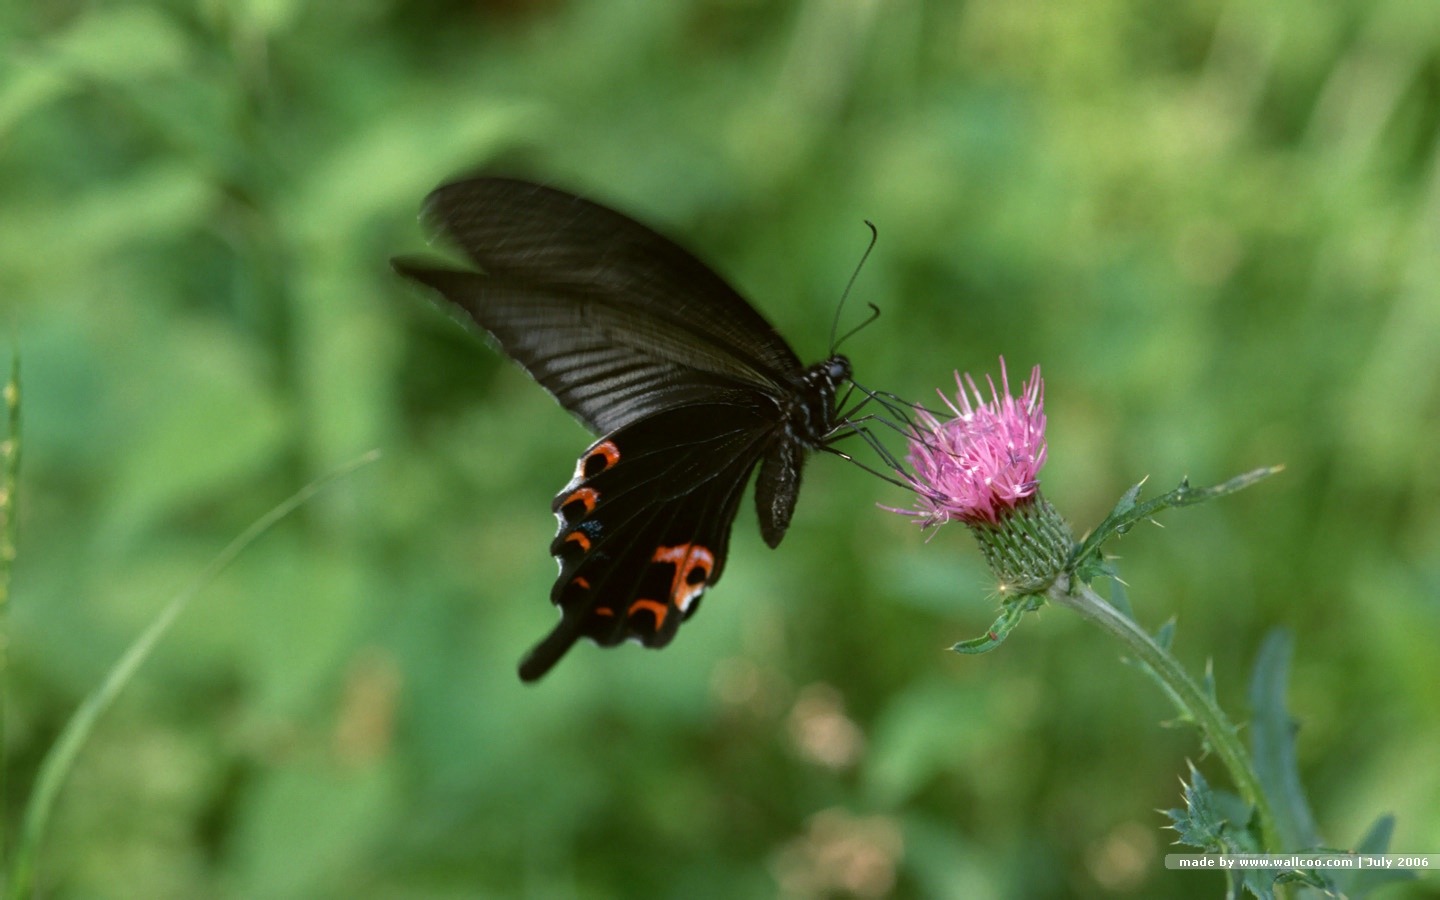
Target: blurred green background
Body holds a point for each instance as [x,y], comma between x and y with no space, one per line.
[1215,225]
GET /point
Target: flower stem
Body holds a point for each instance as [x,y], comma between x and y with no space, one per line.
[1207,715]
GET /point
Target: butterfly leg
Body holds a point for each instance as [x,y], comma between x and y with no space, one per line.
[857,428]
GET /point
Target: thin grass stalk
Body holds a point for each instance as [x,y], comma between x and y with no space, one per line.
[61,757]
[9,488]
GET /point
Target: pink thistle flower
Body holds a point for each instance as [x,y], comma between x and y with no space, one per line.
[983,463]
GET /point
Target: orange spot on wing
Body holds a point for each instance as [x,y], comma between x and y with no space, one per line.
[693,565]
[579,538]
[654,606]
[586,496]
[580,582]
[607,451]
[596,460]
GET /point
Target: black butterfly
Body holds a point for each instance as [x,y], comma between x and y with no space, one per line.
[688,384]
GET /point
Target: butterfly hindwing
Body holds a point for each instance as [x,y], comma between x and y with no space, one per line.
[645,525]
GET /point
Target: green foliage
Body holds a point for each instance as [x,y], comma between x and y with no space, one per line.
[1272,744]
[59,759]
[9,478]
[1356,884]
[1011,611]
[1165,638]
[1213,225]
[1207,825]
[1215,822]
[1088,562]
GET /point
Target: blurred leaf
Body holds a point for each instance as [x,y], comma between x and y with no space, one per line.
[124,42]
[114,46]
[269,17]
[376,169]
[304,824]
[1272,744]
[929,729]
[60,757]
[155,200]
[26,89]
[1357,884]
[201,418]
[303,618]
[947,865]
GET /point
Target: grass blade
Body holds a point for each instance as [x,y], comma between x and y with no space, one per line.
[58,761]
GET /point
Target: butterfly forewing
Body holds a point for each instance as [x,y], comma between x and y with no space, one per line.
[537,236]
[567,341]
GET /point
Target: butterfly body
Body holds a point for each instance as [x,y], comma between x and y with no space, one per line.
[689,387]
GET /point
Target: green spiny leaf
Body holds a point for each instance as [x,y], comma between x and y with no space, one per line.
[1010,614]
[1088,563]
[1130,498]
[1119,593]
[1166,635]
[1200,824]
[1218,822]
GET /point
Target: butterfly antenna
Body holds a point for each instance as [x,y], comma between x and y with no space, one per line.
[835,323]
[874,314]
